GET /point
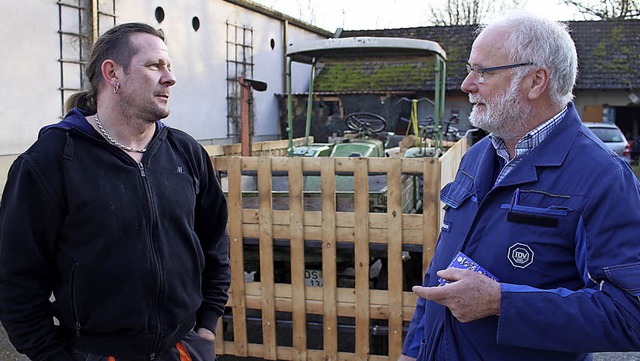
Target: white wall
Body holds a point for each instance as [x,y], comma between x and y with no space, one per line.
[30,96]
[198,100]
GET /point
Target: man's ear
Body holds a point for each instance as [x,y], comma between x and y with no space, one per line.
[539,83]
[109,69]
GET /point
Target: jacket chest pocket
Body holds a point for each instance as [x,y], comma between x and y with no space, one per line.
[541,209]
[460,205]
[542,217]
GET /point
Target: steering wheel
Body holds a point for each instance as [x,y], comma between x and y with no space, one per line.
[369,122]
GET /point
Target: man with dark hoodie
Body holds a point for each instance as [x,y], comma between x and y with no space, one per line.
[120,217]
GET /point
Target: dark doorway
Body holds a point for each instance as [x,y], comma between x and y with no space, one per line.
[628,120]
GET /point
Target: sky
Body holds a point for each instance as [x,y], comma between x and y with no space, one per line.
[381,14]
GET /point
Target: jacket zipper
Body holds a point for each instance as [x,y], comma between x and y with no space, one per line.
[158,337]
[142,172]
[74,272]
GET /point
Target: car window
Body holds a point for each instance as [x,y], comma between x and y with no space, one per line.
[608,135]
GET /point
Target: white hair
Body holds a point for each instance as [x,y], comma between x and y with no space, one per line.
[545,43]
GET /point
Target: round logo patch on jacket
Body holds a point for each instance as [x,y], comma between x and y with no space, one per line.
[520,255]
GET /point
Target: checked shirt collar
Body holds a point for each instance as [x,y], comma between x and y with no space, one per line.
[525,145]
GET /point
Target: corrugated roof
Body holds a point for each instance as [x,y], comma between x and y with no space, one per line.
[608,52]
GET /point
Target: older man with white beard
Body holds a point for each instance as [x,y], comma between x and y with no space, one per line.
[537,259]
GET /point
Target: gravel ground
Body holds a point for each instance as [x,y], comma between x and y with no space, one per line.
[8,353]
[628,356]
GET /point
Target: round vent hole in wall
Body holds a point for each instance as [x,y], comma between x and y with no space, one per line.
[195,23]
[159,14]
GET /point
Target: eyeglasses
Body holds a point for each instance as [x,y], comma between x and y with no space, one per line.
[480,70]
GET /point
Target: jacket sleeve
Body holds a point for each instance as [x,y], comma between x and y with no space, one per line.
[605,314]
[210,226]
[415,334]
[30,215]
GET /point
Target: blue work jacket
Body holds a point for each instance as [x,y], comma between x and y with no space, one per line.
[561,232]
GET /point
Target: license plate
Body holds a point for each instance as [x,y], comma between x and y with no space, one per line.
[313,278]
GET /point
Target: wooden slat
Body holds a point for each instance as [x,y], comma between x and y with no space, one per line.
[412,230]
[378,236]
[361,198]
[234,204]
[299,313]
[329,271]
[431,209]
[344,219]
[220,340]
[449,164]
[266,148]
[266,260]
[345,301]
[394,259]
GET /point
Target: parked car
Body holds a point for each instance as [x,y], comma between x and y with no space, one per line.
[612,136]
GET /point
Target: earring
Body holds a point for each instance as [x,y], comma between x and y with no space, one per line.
[115,88]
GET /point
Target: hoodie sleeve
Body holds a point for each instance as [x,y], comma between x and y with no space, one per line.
[30,215]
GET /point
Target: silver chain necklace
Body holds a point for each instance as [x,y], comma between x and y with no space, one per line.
[113,141]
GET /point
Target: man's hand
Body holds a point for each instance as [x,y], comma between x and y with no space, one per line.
[206,334]
[470,295]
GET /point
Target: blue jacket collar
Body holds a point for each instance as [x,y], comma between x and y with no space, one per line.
[550,153]
[553,150]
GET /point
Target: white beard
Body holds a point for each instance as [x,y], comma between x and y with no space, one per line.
[505,114]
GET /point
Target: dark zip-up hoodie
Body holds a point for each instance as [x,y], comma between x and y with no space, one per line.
[136,254]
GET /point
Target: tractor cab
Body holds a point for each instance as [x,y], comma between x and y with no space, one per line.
[372,60]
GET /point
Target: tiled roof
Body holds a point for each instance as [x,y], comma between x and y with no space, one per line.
[608,53]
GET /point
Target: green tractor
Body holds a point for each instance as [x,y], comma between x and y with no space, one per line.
[393,53]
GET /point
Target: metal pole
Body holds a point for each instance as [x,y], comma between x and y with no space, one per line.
[289,109]
[310,103]
[285,26]
[245,126]
[438,111]
[443,89]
